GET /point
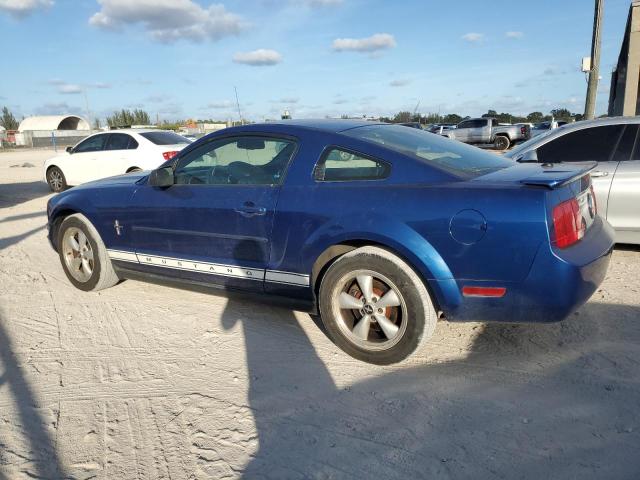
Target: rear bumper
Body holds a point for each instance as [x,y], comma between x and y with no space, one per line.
[559,282]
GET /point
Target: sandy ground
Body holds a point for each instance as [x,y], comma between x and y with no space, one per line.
[142,381]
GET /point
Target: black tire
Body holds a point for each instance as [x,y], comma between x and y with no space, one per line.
[415,318]
[501,142]
[134,169]
[56,180]
[102,275]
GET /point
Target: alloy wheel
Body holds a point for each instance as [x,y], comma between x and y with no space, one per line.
[370,309]
[78,254]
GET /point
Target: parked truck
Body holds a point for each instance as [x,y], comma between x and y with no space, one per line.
[487,132]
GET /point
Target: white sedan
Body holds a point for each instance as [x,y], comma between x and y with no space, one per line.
[112,153]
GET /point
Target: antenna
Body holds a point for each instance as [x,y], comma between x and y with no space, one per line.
[238,104]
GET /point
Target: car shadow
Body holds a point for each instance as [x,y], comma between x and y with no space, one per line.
[8,241]
[42,456]
[526,401]
[12,194]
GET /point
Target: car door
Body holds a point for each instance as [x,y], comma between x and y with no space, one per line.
[120,151]
[605,144]
[623,211]
[463,131]
[481,131]
[83,164]
[214,224]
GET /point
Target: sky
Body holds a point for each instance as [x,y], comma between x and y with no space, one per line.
[181,59]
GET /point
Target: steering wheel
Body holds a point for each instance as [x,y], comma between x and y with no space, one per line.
[239,171]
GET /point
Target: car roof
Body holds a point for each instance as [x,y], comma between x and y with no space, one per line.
[600,121]
[327,124]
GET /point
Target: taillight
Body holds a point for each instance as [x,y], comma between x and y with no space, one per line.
[169,155]
[523,130]
[595,201]
[567,223]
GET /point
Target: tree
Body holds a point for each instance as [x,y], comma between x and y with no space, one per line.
[8,121]
[126,118]
[561,114]
[402,117]
[96,124]
[452,118]
[535,117]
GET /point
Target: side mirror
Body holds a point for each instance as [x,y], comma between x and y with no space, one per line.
[69,149]
[161,177]
[530,156]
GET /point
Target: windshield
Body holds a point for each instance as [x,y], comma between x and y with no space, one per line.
[449,155]
[165,138]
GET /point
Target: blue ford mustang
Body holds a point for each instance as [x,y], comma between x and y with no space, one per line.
[380,228]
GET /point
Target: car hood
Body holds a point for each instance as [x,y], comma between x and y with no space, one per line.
[119,180]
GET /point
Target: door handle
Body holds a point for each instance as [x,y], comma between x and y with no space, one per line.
[249,209]
[599,173]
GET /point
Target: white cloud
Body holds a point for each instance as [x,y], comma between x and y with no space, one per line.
[401,82]
[287,100]
[22,8]
[69,89]
[514,34]
[379,41]
[473,37]
[258,58]
[57,109]
[169,20]
[101,85]
[220,105]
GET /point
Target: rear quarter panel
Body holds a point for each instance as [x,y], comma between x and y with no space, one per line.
[412,219]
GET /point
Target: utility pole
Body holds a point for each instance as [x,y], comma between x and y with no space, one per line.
[592,87]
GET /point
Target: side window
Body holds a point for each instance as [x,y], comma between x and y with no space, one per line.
[91,144]
[338,165]
[465,124]
[594,143]
[479,123]
[118,141]
[625,146]
[248,160]
[133,144]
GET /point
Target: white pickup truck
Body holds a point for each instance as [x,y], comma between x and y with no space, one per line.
[486,131]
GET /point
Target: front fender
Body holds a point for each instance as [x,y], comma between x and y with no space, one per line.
[63,205]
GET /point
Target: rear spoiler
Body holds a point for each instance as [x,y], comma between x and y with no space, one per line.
[556,175]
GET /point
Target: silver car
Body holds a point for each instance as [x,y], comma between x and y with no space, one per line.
[615,144]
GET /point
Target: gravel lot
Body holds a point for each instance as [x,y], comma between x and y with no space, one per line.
[143,381]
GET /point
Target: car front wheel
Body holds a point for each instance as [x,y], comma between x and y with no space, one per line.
[83,255]
[375,307]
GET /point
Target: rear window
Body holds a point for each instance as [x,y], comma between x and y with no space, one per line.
[165,138]
[449,155]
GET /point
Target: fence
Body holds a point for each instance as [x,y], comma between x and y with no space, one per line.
[44,138]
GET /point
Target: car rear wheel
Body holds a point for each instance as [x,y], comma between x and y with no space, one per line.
[501,142]
[84,256]
[56,180]
[375,307]
[134,169]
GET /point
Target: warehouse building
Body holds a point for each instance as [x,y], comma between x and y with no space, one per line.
[52,130]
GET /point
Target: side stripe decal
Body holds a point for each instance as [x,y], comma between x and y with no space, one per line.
[272,276]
